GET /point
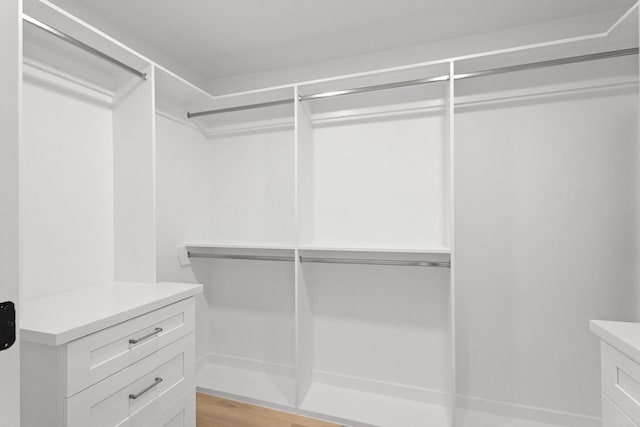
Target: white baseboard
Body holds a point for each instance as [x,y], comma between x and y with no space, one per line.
[247,363]
[477,412]
[470,411]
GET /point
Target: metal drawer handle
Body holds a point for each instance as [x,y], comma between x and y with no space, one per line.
[137,395]
[146,337]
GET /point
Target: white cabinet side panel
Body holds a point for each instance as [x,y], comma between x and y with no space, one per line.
[10,116]
[183,188]
[134,181]
[183,205]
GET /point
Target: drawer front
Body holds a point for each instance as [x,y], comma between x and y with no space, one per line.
[621,381]
[182,413]
[612,416]
[133,396]
[92,358]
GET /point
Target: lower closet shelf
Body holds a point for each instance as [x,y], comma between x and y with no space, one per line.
[371,408]
[272,387]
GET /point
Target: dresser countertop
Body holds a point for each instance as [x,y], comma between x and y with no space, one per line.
[624,336]
[60,318]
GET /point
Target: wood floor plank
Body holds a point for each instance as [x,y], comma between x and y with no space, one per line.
[213,411]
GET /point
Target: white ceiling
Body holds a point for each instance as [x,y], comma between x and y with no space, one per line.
[219,38]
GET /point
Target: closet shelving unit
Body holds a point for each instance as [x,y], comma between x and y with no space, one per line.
[87,133]
[307,225]
[321,226]
[375,341]
[237,167]
[373,283]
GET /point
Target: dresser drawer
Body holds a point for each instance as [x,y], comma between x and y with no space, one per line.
[612,416]
[92,358]
[135,395]
[621,381]
[182,413]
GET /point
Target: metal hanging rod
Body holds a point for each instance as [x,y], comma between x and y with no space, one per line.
[481,73]
[240,108]
[331,94]
[67,38]
[549,63]
[404,263]
[442,78]
[242,257]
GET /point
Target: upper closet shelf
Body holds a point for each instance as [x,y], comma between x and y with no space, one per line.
[437,257]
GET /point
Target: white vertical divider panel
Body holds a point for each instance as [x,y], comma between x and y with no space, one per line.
[450,223]
[10,116]
[134,181]
[304,315]
[638,208]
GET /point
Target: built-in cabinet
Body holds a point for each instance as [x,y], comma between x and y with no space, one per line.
[102,343]
[620,372]
[369,246]
[124,356]
[323,231]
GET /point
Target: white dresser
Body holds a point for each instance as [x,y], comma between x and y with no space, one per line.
[114,355]
[620,354]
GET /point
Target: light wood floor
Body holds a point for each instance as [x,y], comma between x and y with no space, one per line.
[214,411]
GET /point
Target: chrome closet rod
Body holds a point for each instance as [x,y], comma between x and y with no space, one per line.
[241,108]
[404,263]
[67,38]
[373,88]
[242,257]
[442,78]
[481,73]
[549,63]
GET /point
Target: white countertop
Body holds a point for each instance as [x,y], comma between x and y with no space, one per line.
[61,318]
[624,336]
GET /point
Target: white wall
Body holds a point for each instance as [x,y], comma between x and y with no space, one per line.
[546,198]
[378,183]
[252,188]
[386,324]
[251,309]
[67,186]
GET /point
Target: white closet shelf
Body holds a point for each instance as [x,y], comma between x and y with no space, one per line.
[371,408]
[258,252]
[239,246]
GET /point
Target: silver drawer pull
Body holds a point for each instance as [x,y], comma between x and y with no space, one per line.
[137,395]
[146,337]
